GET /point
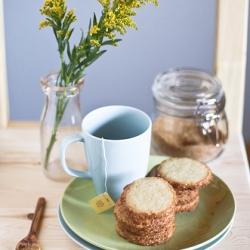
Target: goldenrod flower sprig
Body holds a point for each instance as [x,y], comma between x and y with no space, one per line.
[115,18]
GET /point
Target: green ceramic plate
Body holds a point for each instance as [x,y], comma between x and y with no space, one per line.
[208,221]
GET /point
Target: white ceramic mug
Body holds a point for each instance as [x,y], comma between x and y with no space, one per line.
[117,147]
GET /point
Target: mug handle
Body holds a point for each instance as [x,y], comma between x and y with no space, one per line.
[64,144]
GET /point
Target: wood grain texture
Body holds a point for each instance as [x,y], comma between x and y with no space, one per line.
[22,182]
[230,56]
[37,215]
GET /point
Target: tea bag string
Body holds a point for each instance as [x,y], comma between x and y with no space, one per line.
[105,166]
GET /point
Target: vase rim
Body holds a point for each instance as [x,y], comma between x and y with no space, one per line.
[46,82]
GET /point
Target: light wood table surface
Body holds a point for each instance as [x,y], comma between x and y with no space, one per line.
[22,182]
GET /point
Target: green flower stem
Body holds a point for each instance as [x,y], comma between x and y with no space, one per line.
[59,111]
[60,108]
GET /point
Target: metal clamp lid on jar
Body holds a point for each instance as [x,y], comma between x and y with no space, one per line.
[190,93]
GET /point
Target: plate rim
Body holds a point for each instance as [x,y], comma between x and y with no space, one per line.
[60,218]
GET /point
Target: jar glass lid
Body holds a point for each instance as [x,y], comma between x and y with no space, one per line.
[180,91]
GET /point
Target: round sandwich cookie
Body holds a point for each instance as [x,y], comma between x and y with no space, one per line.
[184,173]
[145,211]
[187,177]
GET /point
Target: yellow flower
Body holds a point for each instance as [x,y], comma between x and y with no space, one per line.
[95,43]
[68,33]
[94,30]
[70,17]
[155,2]
[54,8]
[105,3]
[59,32]
[110,21]
[110,35]
[111,16]
[44,24]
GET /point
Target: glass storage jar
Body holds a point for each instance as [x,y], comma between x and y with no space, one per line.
[189,119]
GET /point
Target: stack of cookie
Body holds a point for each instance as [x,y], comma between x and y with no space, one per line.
[187,177]
[145,212]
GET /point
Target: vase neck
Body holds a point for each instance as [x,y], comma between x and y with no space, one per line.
[49,84]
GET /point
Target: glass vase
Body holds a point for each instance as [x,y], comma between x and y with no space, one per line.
[61,116]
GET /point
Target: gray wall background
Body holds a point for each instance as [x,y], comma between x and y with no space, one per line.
[179,33]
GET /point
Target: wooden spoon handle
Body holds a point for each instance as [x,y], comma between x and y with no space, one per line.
[37,215]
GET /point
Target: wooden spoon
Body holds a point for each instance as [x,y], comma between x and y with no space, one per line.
[30,242]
